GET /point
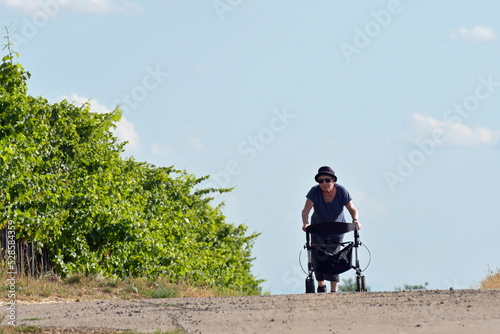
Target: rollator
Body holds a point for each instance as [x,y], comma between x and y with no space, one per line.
[337,262]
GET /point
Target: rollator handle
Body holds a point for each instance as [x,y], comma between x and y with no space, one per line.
[331,228]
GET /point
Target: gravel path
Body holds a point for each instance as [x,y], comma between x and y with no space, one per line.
[436,311]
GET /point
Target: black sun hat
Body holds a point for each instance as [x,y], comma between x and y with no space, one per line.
[325,170]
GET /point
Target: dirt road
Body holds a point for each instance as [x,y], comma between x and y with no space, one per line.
[443,311]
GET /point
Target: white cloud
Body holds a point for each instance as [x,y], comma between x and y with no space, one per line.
[202,68]
[23,5]
[476,34]
[161,150]
[78,6]
[196,144]
[333,143]
[124,130]
[94,105]
[453,133]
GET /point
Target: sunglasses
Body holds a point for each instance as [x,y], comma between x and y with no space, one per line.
[324,180]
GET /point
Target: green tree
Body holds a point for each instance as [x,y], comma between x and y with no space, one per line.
[65,184]
[408,287]
[349,285]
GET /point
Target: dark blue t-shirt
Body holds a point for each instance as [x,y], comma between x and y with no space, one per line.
[328,212]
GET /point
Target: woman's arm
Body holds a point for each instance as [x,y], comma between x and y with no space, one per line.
[354,213]
[305,213]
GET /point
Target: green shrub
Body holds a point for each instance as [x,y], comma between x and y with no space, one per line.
[64,183]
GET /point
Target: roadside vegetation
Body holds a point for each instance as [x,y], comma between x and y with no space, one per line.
[349,285]
[68,190]
[50,288]
[409,287]
[492,280]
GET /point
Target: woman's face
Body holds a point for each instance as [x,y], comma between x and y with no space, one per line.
[326,182]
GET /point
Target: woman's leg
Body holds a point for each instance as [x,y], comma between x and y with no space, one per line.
[321,281]
[322,286]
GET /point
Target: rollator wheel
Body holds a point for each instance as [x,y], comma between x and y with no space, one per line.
[309,285]
[358,283]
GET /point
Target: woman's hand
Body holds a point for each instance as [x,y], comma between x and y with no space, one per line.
[358,224]
[304,227]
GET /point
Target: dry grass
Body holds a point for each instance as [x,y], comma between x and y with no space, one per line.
[492,280]
[49,288]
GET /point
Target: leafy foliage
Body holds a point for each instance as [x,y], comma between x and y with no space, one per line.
[408,287]
[64,182]
[349,285]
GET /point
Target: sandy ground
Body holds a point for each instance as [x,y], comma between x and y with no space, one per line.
[437,311]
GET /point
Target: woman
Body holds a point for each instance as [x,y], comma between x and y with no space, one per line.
[328,200]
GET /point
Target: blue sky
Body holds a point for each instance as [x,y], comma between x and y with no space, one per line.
[400,98]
